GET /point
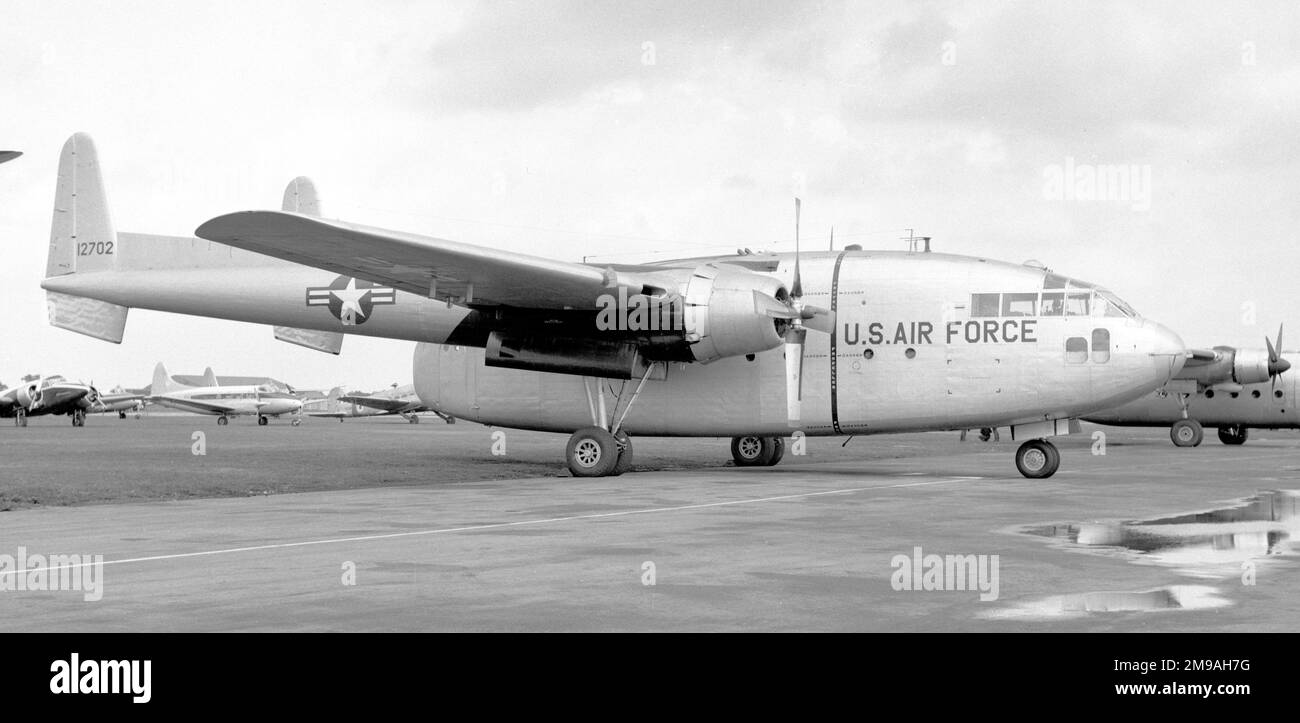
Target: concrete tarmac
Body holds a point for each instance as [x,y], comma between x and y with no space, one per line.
[813,544]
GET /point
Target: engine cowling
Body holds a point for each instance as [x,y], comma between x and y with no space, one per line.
[731,312]
[1250,366]
[29,395]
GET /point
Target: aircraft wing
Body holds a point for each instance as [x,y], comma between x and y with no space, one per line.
[431,267]
[392,406]
[9,155]
[193,405]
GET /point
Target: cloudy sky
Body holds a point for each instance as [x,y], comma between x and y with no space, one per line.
[632,130]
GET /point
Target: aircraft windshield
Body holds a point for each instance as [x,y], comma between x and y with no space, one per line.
[1109,304]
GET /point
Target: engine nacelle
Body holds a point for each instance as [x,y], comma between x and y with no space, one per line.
[726,312]
[1250,366]
[29,395]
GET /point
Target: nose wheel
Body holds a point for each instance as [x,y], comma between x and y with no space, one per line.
[223,420]
[1038,459]
[1187,433]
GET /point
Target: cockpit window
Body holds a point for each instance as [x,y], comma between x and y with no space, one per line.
[1019,304]
[1076,303]
[1112,305]
[1053,304]
[984,305]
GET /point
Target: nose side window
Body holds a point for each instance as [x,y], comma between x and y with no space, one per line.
[1101,345]
[1076,350]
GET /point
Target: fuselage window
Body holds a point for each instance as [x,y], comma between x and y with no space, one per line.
[1019,304]
[984,305]
[1076,350]
[1053,304]
[1101,345]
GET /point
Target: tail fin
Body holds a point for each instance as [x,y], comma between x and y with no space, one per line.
[334,394]
[82,240]
[162,382]
[209,378]
[300,197]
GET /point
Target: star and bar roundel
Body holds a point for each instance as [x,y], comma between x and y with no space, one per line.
[351,300]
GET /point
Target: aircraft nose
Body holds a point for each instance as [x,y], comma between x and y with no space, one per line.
[1167,348]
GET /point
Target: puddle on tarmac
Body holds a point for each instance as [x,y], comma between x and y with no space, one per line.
[1212,545]
[1174,597]
[1209,545]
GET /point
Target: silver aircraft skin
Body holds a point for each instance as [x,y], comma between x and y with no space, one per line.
[401,400]
[331,406]
[757,347]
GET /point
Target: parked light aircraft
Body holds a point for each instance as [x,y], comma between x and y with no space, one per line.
[56,395]
[1224,387]
[401,400]
[710,346]
[223,402]
[331,407]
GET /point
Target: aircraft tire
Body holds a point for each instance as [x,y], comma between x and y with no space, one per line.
[262,421]
[223,421]
[121,415]
[414,419]
[1038,459]
[778,451]
[1233,435]
[752,451]
[591,452]
[624,463]
[1186,433]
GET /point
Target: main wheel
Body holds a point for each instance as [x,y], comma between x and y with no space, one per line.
[223,421]
[778,450]
[592,452]
[1186,433]
[624,463]
[415,419]
[1037,459]
[1233,435]
[121,415]
[262,421]
[751,451]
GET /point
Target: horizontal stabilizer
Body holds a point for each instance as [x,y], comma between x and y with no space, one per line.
[9,155]
[91,317]
[330,342]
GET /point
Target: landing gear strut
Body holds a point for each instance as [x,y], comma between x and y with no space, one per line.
[79,418]
[20,417]
[1233,435]
[754,451]
[1187,433]
[1037,459]
[603,449]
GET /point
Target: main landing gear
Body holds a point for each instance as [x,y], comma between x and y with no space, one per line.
[20,417]
[1188,433]
[757,451]
[604,449]
[262,421]
[1037,459]
[78,417]
[1233,435]
[223,420]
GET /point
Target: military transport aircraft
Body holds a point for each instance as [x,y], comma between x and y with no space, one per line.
[39,396]
[1224,387]
[711,346]
[9,155]
[260,400]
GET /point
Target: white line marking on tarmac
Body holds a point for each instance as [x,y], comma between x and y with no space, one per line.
[493,526]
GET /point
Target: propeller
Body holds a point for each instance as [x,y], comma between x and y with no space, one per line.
[801,317]
[1276,364]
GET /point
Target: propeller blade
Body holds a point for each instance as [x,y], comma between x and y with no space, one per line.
[796,286]
[769,306]
[1276,364]
[818,319]
[794,339]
